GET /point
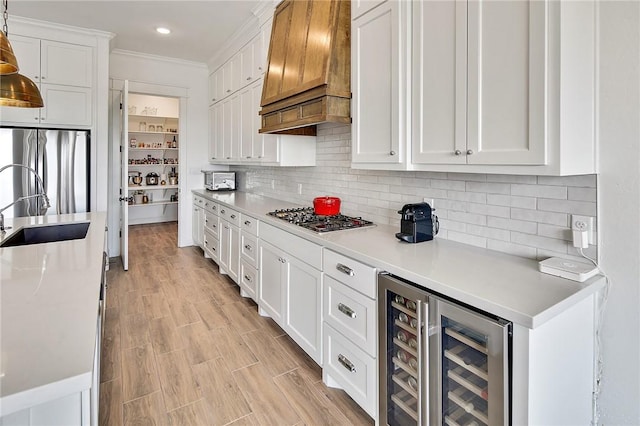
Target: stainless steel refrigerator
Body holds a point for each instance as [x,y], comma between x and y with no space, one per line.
[60,157]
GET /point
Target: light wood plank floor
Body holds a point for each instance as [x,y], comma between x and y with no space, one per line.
[182,347]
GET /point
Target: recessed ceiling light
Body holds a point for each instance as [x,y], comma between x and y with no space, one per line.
[163,30]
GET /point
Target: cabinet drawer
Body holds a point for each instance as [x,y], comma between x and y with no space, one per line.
[211,207]
[351,368]
[351,313]
[198,201]
[249,248]
[248,279]
[230,215]
[249,224]
[304,250]
[354,274]
[211,223]
[211,245]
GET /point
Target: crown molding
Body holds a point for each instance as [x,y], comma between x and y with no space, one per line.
[152,57]
[46,25]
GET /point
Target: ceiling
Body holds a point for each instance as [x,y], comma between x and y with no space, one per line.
[199,28]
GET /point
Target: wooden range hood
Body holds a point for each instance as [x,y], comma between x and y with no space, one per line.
[308,76]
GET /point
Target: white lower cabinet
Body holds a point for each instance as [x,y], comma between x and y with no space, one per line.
[348,367]
[197,229]
[229,260]
[248,280]
[290,289]
[211,246]
[72,409]
[350,332]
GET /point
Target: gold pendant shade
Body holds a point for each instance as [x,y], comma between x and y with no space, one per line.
[16,90]
[8,61]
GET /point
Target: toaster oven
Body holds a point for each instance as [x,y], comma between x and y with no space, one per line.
[219,181]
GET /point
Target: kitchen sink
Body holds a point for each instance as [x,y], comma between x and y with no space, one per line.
[47,234]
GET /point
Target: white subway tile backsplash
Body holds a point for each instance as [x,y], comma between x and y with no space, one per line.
[525,216]
[546,191]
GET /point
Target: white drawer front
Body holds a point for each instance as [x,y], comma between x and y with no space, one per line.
[211,207]
[211,223]
[230,215]
[248,279]
[249,224]
[308,252]
[249,248]
[351,313]
[352,369]
[211,245]
[198,201]
[354,274]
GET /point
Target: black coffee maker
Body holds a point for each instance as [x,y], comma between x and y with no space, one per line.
[418,223]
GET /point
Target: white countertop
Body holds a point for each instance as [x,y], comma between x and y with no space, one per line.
[508,286]
[49,307]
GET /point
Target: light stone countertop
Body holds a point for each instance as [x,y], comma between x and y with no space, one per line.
[49,307]
[508,286]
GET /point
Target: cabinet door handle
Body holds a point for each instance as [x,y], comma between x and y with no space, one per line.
[228,90]
[469,152]
[248,78]
[222,211]
[247,222]
[345,269]
[282,260]
[346,363]
[248,247]
[43,77]
[213,248]
[233,216]
[392,153]
[248,278]
[346,310]
[206,221]
[457,152]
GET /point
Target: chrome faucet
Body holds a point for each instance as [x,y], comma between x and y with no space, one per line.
[42,194]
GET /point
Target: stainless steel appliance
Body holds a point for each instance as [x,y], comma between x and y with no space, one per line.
[306,217]
[60,157]
[440,363]
[418,223]
[219,181]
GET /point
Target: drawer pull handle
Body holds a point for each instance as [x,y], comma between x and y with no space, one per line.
[206,221]
[233,216]
[345,269]
[222,211]
[282,260]
[346,310]
[346,363]
[248,278]
[247,222]
[248,247]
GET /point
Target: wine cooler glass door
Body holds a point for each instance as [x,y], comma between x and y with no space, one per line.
[403,395]
[473,365]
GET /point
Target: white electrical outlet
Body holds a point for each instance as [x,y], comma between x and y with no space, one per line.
[299,189]
[430,201]
[583,224]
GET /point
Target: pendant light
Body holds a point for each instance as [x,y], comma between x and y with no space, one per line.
[16,90]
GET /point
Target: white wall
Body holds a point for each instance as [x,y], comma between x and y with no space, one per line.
[170,73]
[619,205]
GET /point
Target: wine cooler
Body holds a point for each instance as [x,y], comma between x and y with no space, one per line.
[440,363]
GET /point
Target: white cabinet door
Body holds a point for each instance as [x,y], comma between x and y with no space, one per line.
[377,78]
[225,246]
[27,51]
[259,57]
[247,126]
[20,115]
[265,40]
[196,225]
[234,252]
[303,317]
[358,7]
[506,82]
[218,131]
[227,72]
[236,126]
[439,82]
[66,105]
[246,64]
[213,131]
[218,77]
[226,127]
[272,270]
[212,88]
[65,63]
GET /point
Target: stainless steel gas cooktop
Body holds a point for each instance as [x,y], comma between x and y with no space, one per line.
[305,217]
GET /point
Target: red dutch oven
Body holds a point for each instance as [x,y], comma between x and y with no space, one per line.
[326,206]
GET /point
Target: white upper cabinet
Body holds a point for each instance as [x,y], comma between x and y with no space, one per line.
[246,62]
[377,82]
[213,87]
[64,75]
[67,64]
[495,87]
